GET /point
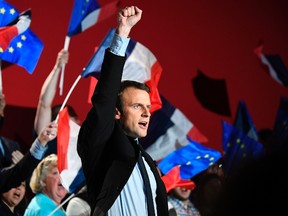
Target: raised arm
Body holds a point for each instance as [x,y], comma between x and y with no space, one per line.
[127,18]
[48,91]
[14,175]
[2,105]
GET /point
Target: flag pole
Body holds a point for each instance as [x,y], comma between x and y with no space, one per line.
[68,95]
[58,207]
[61,82]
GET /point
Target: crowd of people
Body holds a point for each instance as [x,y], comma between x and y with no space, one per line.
[121,177]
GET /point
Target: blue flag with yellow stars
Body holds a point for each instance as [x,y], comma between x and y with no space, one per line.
[280,129]
[238,148]
[8,13]
[87,13]
[192,158]
[24,50]
[243,121]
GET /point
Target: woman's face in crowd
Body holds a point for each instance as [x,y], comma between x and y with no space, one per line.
[54,189]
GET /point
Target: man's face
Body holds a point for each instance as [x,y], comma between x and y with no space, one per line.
[136,112]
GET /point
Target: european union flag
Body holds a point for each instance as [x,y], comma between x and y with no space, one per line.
[243,121]
[281,124]
[24,50]
[87,13]
[238,148]
[8,13]
[94,65]
[83,9]
[192,158]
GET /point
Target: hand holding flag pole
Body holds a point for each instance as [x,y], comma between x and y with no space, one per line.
[61,82]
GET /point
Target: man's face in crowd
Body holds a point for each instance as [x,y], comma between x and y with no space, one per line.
[136,114]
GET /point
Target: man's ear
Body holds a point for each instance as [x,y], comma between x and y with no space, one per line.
[117,114]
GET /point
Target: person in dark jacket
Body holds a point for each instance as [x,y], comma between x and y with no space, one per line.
[11,199]
[8,147]
[108,138]
[12,176]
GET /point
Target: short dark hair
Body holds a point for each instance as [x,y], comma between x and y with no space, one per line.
[126,84]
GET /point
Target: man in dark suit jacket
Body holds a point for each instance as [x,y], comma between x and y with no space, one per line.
[12,176]
[7,146]
[108,138]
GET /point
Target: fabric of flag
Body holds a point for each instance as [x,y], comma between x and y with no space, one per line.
[8,13]
[63,138]
[24,50]
[169,129]
[192,159]
[276,67]
[86,13]
[141,65]
[238,148]
[280,129]
[212,94]
[69,162]
[173,180]
[6,35]
[243,121]
[8,17]
[93,67]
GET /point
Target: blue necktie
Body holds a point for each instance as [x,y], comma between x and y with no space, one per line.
[147,186]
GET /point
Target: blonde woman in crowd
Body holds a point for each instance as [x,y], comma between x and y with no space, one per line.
[45,183]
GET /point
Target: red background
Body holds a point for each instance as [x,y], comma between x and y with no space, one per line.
[216,37]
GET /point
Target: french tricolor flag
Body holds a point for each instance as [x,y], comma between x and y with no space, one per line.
[69,162]
[141,65]
[87,13]
[275,65]
[169,129]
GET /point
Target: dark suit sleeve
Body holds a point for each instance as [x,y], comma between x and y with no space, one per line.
[12,176]
[99,123]
[94,138]
[9,146]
